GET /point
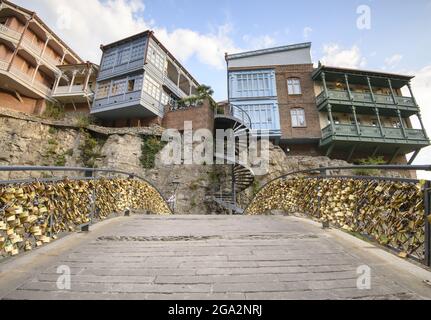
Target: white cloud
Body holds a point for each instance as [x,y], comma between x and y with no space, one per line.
[335,55]
[85,24]
[422,90]
[258,42]
[393,61]
[307,32]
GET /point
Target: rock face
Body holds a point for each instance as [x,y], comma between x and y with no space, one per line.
[34,143]
[31,141]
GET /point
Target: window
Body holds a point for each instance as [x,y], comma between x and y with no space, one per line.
[252,84]
[298,118]
[118,87]
[102,90]
[123,56]
[152,87]
[156,58]
[137,51]
[293,86]
[108,61]
[165,98]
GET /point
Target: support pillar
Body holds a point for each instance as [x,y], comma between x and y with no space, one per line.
[20,41]
[398,109]
[325,87]
[35,72]
[331,119]
[355,118]
[71,81]
[87,78]
[397,151]
[382,132]
[44,46]
[352,151]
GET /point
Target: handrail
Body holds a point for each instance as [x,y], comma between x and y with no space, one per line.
[77,169]
[243,112]
[322,170]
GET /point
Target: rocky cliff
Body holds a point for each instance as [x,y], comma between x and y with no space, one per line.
[28,140]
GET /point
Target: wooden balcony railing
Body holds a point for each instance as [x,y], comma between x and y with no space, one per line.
[350,130]
[343,96]
[29,81]
[9,32]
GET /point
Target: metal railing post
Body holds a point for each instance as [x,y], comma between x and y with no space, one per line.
[325,223]
[427,213]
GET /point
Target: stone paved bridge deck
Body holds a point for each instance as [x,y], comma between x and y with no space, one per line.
[211,257]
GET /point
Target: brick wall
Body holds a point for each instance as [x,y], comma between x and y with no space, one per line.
[306,101]
[202,117]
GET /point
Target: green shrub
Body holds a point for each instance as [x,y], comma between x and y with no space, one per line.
[52,130]
[150,147]
[90,149]
[372,161]
[83,120]
[54,111]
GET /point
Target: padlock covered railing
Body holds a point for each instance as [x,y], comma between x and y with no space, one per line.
[36,211]
[394,212]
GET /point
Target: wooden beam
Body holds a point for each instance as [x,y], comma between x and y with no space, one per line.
[351,152]
[330,149]
[397,151]
[414,156]
[376,149]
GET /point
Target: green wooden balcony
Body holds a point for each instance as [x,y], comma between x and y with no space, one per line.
[340,102]
[413,138]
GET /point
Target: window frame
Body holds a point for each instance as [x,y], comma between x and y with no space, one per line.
[293,87]
[295,113]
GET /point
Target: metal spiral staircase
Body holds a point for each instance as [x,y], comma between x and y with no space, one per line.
[235,118]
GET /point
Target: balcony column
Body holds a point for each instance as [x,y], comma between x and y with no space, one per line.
[409,85]
[398,109]
[35,72]
[56,83]
[419,115]
[27,23]
[44,46]
[382,132]
[325,87]
[71,81]
[371,90]
[346,79]
[63,57]
[331,119]
[87,78]
[402,124]
[179,77]
[355,118]
[190,83]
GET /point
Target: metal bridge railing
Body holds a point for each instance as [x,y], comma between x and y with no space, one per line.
[35,211]
[395,212]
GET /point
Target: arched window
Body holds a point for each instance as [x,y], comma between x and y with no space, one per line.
[294,86]
[298,118]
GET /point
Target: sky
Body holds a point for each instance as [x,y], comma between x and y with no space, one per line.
[390,35]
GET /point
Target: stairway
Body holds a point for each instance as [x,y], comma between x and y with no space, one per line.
[242,176]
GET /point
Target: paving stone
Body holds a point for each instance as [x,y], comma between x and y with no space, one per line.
[226,257]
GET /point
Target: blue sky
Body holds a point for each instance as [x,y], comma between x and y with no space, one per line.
[199,32]
[397,28]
